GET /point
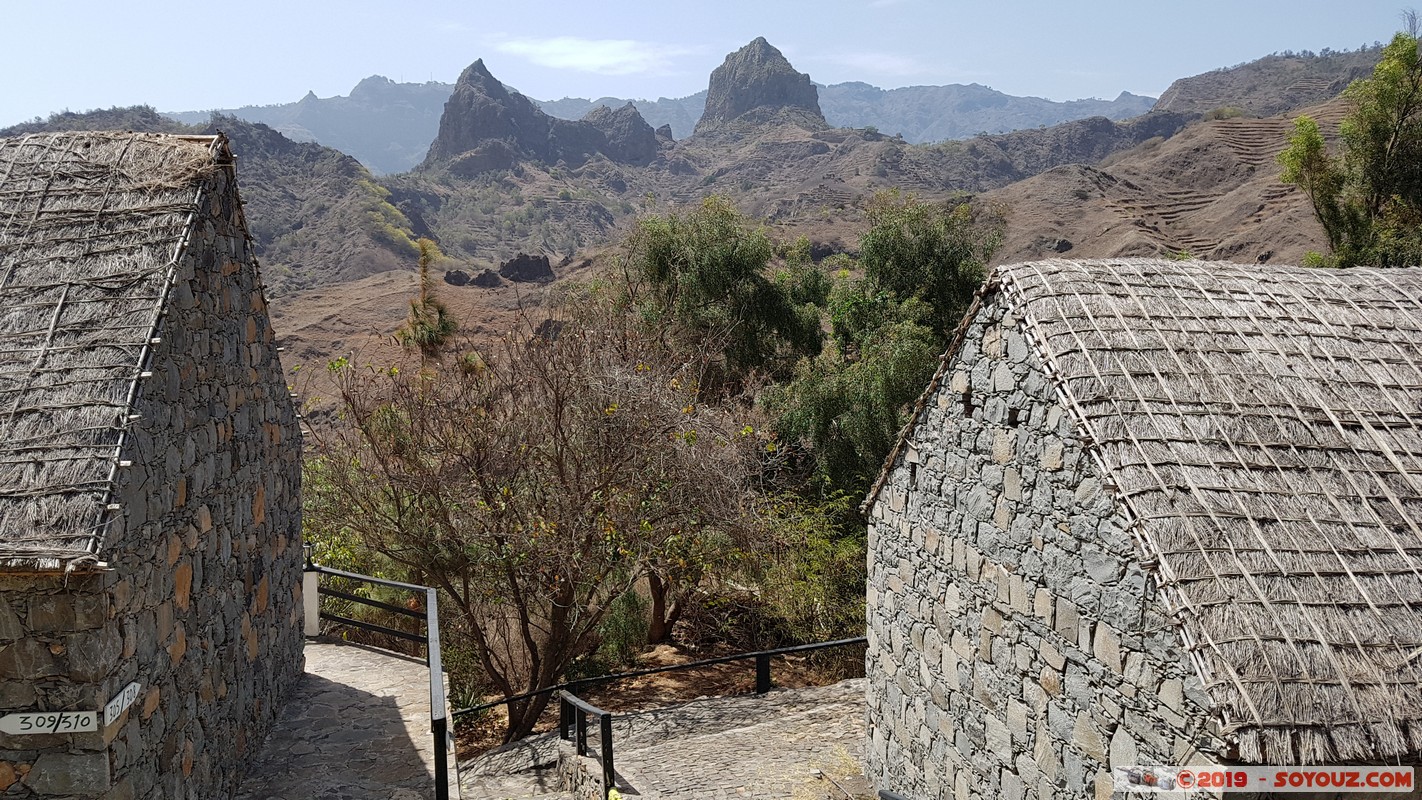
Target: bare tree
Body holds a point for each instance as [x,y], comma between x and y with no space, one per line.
[536,481]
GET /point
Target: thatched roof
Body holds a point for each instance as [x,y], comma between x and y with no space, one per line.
[1262,427]
[92,226]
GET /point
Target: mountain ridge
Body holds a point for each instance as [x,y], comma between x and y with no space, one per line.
[388,143]
[337,243]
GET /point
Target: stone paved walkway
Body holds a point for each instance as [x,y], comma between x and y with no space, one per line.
[793,743]
[357,727]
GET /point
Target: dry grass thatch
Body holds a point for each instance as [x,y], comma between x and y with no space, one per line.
[1262,427]
[92,226]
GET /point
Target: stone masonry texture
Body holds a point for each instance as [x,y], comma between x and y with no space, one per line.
[200,601]
[1016,648]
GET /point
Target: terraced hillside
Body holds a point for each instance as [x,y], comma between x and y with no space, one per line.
[1212,191]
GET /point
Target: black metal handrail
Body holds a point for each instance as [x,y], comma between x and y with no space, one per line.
[573,713]
[885,794]
[762,672]
[439,723]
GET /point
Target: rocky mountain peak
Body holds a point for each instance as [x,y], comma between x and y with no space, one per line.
[481,109]
[487,126]
[755,84]
[630,140]
[477,73]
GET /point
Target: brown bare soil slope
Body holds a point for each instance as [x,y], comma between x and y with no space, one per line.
[1212,191]
[1274,84]
[357,320]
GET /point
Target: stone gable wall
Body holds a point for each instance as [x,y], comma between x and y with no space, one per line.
[201,603]
[1016,648]
[210,554]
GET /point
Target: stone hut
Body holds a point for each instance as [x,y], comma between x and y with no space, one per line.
[150,554]
[1152,513]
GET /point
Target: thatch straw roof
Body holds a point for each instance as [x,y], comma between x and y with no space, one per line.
[1262,427]
[92,226]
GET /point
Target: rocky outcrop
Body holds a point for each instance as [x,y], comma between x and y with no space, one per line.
[488,279]
[757,84]
[628,137]
[486,126]
[525,268]
[456,277]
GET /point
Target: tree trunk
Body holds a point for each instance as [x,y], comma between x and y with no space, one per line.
[659,625]
[523,716]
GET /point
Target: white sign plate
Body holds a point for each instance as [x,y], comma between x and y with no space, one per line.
[33,722]
[120,703]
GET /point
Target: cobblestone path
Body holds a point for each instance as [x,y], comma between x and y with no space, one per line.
[795,744]
[356,727]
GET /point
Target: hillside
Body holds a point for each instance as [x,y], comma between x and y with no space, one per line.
[1270,85]
[504,177]
[1211,191]
[132,118]
[316,214]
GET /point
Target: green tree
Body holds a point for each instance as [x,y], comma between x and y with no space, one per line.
[847,407]
[701,279]
[934,252]
[922,263]
[429,324]
[1369,198]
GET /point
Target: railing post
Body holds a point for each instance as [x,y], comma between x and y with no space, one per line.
[580,721]
[311,598]
[608,775]
[762,673]
[441,735]
[438,724]
[565,717]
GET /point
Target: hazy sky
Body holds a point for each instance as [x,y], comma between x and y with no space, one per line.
[82,54]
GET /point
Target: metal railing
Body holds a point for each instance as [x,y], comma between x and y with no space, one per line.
[885,794]
[762,672]
[573,713]
[439,724]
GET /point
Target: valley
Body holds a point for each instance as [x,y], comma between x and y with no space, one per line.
[500,176]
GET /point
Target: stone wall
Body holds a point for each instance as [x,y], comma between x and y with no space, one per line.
[580,776]
[57,648]
[209,555]
[1016,647]
[201,601]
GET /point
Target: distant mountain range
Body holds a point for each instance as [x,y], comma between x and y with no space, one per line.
[385,125]
[389,126]
[499,176]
